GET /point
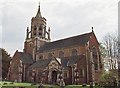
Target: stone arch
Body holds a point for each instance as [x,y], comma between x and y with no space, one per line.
[41,57]
[54,77]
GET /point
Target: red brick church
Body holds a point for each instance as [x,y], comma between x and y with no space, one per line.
[76,59]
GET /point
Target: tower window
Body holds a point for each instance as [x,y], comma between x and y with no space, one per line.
[40,28]
[34,33]
[40,33]
[35,28]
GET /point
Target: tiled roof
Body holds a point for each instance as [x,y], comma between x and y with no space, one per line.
[25,57]
[74,60]
[65,62]
[70,61]
[40,63]
[75,40]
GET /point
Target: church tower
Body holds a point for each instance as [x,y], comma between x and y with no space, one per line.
[37,36]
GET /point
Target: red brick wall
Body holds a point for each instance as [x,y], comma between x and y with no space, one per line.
[14,67]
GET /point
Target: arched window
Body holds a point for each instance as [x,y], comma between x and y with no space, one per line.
[41,57]
[40,33]
[40,28]
[94,51]
[61,54]
[35,28]
[95,59]
[81,72]
[74,52]
[35,33]
[50,56]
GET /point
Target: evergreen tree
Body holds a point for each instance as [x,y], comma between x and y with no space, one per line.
[5,62]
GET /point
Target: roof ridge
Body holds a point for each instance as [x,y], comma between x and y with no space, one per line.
[70,37]
[66,42]
[24,53]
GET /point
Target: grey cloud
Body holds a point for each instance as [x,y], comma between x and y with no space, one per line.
[65,19]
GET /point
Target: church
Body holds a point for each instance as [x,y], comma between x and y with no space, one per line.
[75,59]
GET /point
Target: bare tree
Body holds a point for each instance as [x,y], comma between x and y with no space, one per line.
[110,43]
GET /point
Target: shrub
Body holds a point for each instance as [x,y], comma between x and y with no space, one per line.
[84,85]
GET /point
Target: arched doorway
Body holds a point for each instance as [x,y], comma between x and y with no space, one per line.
[54,77]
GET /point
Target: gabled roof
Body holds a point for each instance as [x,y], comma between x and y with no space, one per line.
[75,40]
[24,57]
[40,63]
[74,60]
[70,61]
[65,62]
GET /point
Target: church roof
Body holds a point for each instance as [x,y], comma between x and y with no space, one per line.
[70,61]
[74,59]
[65,62]
[71,41]
[40,63]
[25,58]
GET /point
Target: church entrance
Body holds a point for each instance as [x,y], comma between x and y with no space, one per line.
[54,77]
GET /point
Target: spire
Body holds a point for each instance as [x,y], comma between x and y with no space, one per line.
[38,12]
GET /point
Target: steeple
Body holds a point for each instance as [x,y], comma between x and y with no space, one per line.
[38,12]
[37,35]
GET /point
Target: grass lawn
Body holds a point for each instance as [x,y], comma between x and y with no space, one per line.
[29,85]
[70,86]
[15,84]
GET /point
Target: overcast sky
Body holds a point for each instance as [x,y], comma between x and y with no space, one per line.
[65,17]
